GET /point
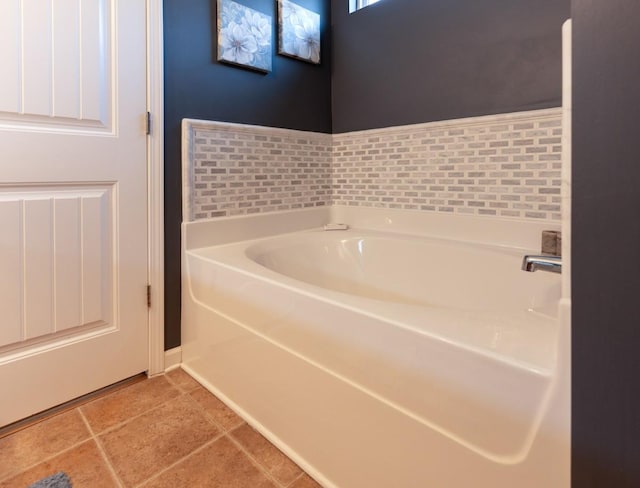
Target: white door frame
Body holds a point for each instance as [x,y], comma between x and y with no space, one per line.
[155,158]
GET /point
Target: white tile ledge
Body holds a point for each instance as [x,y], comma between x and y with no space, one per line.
[519,233]
[513,233]
[190,124]
[530,115]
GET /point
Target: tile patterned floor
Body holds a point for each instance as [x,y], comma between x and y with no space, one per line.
[166,431]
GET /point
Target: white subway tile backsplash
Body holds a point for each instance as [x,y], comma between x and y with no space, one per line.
[506,165]
[236,169]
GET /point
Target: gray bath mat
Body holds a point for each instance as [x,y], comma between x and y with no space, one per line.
[58,480]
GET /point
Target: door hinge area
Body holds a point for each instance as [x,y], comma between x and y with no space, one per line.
[148,123]
[148,296]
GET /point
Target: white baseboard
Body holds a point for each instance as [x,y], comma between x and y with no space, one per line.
[172,359]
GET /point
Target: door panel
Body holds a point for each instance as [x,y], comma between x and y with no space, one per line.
[73,196]
[59,256]
[59,58]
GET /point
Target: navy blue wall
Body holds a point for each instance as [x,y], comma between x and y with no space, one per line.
[295,95]
[409,61]
[606,244]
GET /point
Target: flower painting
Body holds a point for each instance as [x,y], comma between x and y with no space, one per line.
[299,32]
[244,36]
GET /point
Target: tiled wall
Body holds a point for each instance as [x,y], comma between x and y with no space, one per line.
[238,169]
[505,165]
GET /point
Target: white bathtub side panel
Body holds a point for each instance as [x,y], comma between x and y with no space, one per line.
[341,436]
[491,406]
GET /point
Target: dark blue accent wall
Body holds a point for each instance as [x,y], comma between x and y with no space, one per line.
[606,244]
[409,61]
[295,95]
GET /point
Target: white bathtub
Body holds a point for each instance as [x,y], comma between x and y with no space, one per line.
[378,358]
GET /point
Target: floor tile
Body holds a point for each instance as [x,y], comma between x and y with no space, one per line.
[219,412]
[166,432]
[270,457]
[305,481]
[83,464]
[121,405]
[38,442]
[219,465]
[182,380]
[149,443]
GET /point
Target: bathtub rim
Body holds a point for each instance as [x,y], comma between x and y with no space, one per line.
[235,260]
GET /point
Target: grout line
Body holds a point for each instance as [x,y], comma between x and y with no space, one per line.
[130,419]
[48,458]
[171,381]
[44,460]
[150,409]
[210,417]
[295,480]
[155,407]
[207,416]
[102,450]
[229,434]
[181,460]
[86,423]
[175,383]
[257,463]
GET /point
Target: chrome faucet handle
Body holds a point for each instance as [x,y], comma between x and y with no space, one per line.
[532,263]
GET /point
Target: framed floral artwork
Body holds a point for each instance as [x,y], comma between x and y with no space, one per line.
[244,36]
[298,32]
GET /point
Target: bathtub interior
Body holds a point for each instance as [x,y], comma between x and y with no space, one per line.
[411,270]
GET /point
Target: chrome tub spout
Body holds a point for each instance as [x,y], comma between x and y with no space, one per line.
[552,264]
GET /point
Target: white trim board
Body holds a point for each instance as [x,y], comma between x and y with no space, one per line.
[155,156]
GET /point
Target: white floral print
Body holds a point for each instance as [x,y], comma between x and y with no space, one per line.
[238,44]
[244,36]
[260,27]
[299,33]
[308,40]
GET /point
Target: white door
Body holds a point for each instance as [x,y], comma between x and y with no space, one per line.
[73,199]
